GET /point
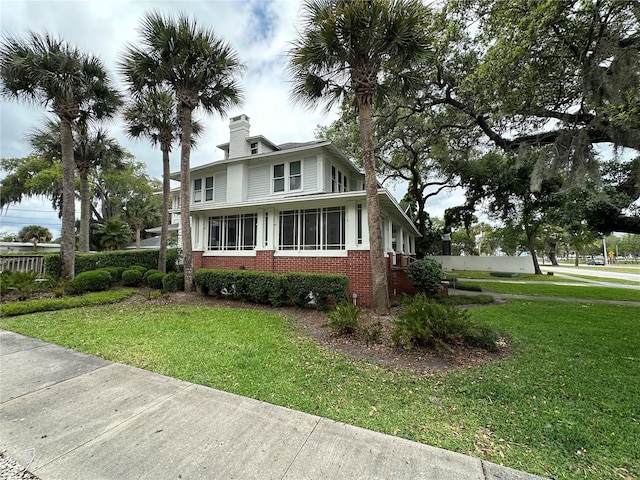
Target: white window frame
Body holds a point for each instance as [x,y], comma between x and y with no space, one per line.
[286,178]
[320,217]
[199,195]
[339,180]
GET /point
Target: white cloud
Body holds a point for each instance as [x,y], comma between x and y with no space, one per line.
[259,30]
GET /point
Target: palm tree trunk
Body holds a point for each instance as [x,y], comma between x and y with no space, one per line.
[137,238]
[166,192]
[185,199]
[85,211]
[376,253]
[68,231]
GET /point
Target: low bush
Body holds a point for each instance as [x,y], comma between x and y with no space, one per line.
[155,280]
[429,324]
[52,304]
[427,275]
[319,288]
[22,283]
[170,283]
[180,281]
[273,288]
[131,278]
[148,273]
[140,268]
[115,272]
[343,318]
[122,258]
[92,281]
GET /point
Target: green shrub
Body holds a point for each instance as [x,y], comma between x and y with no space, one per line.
[122,258]
[22,283]
[52,304]
[92,281]
[427,276]
[180,281]
[170,283]
[428,324]
[115,273]
[320,288]
[155,280]
[273,288]
[148,273]
[343,318]
[140,268]
[131,278]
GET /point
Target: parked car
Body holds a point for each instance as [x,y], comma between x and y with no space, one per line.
[596,261]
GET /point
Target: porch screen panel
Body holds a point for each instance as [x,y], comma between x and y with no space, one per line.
[311,229]
[232,233]
[334,234]
[288,230]
[215,237]
[249,231]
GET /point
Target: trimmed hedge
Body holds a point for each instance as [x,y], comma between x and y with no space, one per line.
[121,258]
[273,288]
[155,280]
[52,304]
[131,278]
[92,281]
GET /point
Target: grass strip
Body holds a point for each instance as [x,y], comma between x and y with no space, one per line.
[564,405]
[50,304]
[567,291]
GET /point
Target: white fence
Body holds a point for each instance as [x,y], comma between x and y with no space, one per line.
[486,264]
[23,263]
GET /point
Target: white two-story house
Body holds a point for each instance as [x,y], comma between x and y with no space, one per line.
[296,207]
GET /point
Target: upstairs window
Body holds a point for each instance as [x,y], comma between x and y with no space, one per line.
[208,189]
[287,177]
[254,148]
[339,181]
[198,189]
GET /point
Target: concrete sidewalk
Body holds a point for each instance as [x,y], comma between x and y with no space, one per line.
[87,418]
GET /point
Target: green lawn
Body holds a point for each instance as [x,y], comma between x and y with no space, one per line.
[568,291]
[564,405]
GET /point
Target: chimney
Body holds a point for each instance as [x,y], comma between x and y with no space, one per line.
[239,132]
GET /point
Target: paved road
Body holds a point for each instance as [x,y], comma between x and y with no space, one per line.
[82,417]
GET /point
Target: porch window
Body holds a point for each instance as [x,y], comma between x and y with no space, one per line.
[313,229]
[233,232]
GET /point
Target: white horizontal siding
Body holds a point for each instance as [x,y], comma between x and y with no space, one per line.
[259,182]
[220,188]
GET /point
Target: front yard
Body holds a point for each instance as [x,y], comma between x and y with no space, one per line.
[563,404]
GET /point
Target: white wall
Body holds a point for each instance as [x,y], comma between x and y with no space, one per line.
[486,264]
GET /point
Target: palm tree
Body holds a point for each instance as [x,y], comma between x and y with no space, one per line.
[75,86]
[92,150]
[155,116]
[201,70]
[345,47]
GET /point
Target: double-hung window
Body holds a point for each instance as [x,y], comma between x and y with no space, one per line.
[287,177]
[339,181]
[198,188]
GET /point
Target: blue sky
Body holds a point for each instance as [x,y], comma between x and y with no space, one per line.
[260,31]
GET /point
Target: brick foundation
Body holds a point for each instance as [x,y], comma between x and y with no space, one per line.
[356,266]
